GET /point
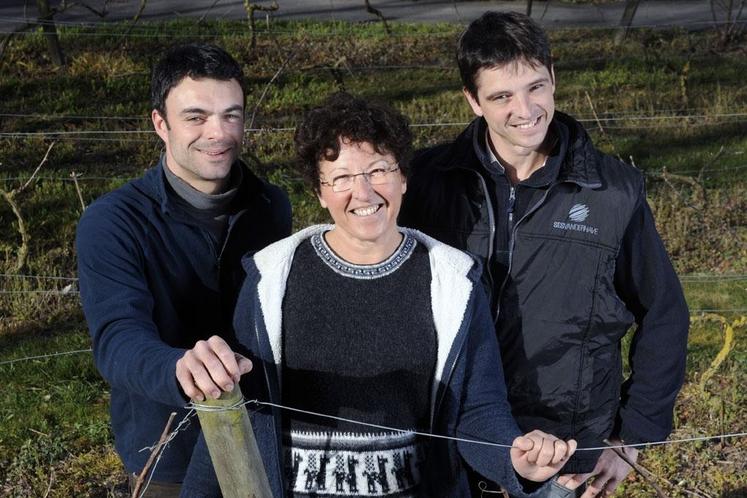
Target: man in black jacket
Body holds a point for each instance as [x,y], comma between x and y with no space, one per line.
[571,256]
[159,260]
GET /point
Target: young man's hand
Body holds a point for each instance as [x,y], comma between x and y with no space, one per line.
[609,471]
[210,368]
[538,456]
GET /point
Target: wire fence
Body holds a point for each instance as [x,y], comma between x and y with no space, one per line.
[140,31]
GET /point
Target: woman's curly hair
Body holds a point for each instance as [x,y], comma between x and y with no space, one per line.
[343,117]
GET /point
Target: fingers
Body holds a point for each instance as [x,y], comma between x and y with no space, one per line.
[209,368]
[544,449]
[600,487]
[608,473]
[245,364]
[572,481]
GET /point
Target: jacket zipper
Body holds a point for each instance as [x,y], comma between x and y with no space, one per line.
[512,240]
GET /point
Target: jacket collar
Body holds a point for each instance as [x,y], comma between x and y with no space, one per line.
[454,277]
[580,164]
[155,181]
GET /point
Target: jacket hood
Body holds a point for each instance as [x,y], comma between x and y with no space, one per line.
[454,276]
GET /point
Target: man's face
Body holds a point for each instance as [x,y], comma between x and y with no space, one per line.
[517,102]
[202,130]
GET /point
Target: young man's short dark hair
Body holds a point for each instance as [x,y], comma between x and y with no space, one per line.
[343,116]
[195,60]
[499,38]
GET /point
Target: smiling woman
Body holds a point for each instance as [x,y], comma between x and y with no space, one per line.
[375,324]
[355,155]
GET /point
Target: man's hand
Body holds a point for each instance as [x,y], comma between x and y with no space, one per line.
[209,368]
[537,456]
[609,471]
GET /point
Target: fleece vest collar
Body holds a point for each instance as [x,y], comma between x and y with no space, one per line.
[451,289]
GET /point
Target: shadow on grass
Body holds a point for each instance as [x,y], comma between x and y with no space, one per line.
[29,335]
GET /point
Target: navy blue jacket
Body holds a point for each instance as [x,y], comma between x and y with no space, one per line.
[152,284]
[468,398]
[572,259]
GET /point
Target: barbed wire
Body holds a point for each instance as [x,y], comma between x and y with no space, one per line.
[607,115]
[38,277]
[43,291]
[45,356]
[175,32]
[69,179]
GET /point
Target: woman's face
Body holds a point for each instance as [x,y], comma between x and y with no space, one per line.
[365,216]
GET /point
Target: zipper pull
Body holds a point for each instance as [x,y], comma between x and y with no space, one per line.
[511,202]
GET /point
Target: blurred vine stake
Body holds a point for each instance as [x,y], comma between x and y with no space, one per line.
[50,32]
[250,8]
[371,10]
[11,198]
[627,19]
[134,21]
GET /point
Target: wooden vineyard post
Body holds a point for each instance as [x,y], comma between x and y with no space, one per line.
[233,449]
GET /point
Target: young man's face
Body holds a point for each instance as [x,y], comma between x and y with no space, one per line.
[517,101]
[202,130]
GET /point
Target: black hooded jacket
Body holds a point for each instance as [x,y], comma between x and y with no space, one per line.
[571,260]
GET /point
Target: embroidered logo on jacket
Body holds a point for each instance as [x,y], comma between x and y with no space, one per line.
[577,215]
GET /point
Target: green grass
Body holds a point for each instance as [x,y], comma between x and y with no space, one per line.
[660,99]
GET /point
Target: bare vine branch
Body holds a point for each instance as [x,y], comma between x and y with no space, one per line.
[135,19]
[75,177]
[372,10]
[158,448]
[10,197]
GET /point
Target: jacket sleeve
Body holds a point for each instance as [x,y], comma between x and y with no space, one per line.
[118,306]
[647,283]
[485,412]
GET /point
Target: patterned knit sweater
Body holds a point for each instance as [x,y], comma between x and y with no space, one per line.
[359,343]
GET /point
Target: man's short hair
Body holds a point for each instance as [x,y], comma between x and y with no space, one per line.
[355,120]
[499,38]
[196,60]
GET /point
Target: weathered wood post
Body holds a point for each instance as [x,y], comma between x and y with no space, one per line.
[233,449]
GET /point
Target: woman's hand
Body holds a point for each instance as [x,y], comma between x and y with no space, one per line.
[538,456]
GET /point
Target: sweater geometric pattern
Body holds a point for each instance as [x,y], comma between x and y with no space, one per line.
[341,464]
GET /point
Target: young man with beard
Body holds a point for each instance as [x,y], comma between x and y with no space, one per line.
[571,256]
[159,259]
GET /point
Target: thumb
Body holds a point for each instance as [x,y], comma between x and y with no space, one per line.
[523,443]
[245,364]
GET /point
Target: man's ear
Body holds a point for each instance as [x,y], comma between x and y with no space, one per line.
[473,103]
[160,124]
[552,77]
